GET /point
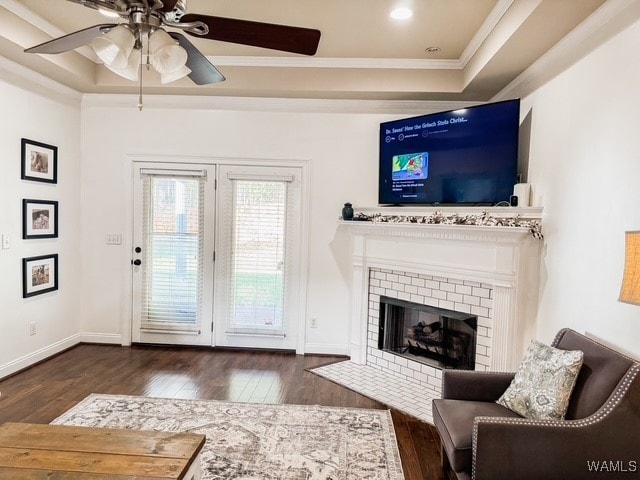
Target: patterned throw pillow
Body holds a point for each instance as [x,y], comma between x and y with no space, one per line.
[542,385]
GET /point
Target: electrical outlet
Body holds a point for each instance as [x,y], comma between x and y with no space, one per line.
[32,328]
[6,241]
[314,322]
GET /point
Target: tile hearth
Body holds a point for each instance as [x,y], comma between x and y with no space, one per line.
[408,397]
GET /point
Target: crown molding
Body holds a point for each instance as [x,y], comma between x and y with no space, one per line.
[484,31]
[25,78]
[610,19]
[335,62]
[294,105]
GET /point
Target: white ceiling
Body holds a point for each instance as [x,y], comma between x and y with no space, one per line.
[363,53]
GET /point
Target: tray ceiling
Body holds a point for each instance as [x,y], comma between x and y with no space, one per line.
[363,53]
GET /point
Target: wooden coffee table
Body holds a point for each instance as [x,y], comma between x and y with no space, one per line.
[35,452]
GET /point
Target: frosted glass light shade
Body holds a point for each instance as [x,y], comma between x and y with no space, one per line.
[166,55]
[132,70]
[114,48]
[630,290]
[175,75]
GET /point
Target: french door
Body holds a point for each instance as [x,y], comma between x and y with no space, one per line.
[257,295]
[173,253]
[216,257]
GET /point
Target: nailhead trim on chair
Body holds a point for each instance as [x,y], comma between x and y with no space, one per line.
[604,411]
[558,336]
[561,333]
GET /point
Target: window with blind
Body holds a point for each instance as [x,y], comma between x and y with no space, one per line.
[258,256]
[173,227]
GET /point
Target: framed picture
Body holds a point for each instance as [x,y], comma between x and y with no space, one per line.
[39,161]
[39,218]
[39,275]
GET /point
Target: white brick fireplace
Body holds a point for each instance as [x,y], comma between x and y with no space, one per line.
[488,271]
[448,293]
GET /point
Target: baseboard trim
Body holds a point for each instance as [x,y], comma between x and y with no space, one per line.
[44,353]
[108,338]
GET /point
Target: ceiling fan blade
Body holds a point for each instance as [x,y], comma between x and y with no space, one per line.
[202,71]
[73,40]
[267,35]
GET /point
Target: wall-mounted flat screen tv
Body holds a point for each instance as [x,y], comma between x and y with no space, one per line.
[467,156]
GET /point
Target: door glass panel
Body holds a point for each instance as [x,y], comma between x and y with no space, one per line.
[257,255]
[173,266]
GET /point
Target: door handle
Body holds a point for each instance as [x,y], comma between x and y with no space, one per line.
[137,262]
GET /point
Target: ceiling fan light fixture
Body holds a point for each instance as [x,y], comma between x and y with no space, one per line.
[114,47]
[142,39]
[175,75]
[166,55]
[108,13]
[132,70]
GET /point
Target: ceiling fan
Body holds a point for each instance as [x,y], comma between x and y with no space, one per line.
[122,46]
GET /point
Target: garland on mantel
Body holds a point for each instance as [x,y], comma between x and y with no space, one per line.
[439,218]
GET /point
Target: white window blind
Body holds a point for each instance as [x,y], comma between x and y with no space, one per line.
[173,228]
[258,256]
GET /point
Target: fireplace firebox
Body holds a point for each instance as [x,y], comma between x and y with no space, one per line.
[435,336]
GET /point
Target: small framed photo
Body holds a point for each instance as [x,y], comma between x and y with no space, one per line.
[39,161]
[39,219]
[39,275]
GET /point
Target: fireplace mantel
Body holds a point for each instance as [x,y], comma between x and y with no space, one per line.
[422,231]
[506,258]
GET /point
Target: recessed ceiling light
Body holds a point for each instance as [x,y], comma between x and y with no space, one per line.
[108,13]
[432,49]
[401,13]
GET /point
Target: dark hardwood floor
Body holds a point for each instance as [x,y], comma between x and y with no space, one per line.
[43,392]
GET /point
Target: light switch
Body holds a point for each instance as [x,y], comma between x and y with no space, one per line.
[6,241]
[114,238]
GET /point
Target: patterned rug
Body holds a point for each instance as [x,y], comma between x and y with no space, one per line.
[260,441]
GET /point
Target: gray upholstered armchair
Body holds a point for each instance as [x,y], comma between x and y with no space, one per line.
[485,441]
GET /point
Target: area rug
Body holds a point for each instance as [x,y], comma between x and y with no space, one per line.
[260,441]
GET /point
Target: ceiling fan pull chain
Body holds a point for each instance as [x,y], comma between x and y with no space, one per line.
[148,50]
[140,105]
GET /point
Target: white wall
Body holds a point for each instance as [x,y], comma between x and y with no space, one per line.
[583,159]
[584,166]
[37,117]
[583,163]
[340,148]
